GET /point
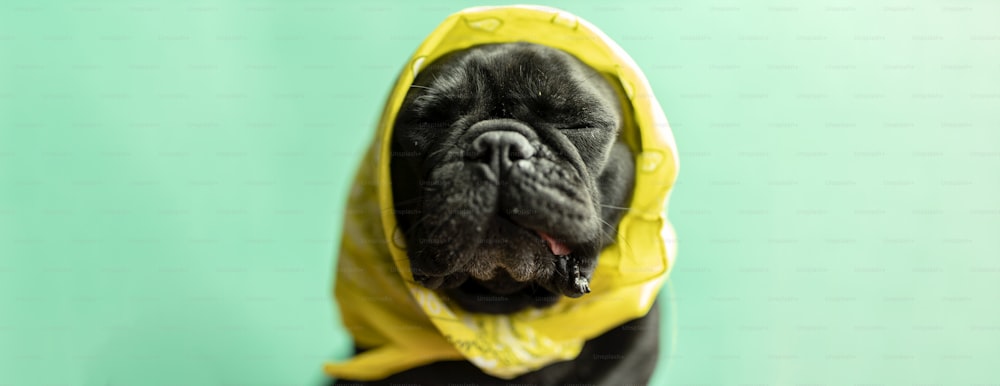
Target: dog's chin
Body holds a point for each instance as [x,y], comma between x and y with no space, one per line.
[501,295]
[513,269]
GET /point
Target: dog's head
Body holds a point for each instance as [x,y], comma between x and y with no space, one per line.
[508,175]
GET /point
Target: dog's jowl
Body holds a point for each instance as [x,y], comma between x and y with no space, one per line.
[508,224]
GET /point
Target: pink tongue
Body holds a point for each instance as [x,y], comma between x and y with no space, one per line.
[557,248]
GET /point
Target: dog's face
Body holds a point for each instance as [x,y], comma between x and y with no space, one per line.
[508,175]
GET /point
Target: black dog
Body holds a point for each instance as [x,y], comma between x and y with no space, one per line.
[509,178]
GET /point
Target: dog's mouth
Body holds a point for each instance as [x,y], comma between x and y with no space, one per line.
[525,253]
[518,260]
[555,246]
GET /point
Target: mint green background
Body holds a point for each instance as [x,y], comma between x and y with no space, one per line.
[172,178]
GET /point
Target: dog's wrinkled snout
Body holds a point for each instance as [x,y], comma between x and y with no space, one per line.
[500,149]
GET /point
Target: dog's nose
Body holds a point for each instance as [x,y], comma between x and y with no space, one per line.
[500,149]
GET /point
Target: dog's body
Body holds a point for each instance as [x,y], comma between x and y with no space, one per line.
[508,180]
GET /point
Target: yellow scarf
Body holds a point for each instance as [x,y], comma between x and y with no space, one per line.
[404,325]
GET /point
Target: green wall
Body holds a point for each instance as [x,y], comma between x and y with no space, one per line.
[172,177]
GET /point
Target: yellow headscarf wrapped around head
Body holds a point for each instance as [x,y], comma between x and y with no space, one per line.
[403,325]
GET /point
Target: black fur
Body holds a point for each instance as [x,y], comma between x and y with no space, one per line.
[472,227]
